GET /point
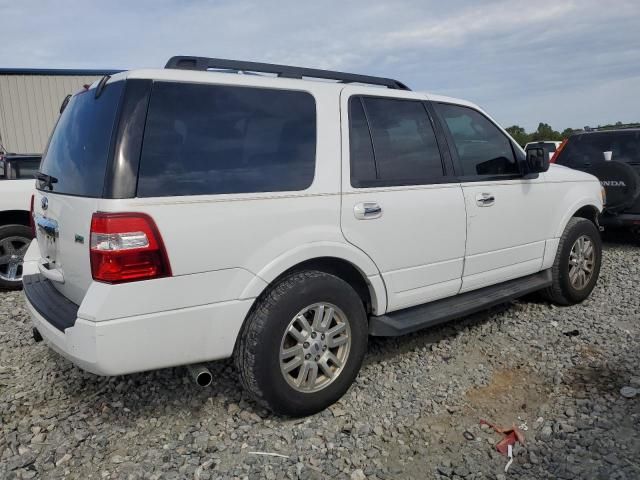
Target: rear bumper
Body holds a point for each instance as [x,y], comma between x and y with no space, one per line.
[621,220]
[142,342]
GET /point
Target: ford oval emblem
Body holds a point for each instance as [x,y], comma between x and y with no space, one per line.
[44,203]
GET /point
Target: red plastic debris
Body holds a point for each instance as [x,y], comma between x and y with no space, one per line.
[511,436]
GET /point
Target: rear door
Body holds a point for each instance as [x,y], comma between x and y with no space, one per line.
[74,168]
[506,213]
[400,204]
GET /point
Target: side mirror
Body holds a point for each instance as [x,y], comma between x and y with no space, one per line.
[537,159]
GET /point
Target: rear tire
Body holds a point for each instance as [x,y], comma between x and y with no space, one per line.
[577,264]
[287,346]
[14,242]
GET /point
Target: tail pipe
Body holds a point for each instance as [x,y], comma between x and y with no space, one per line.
[200,374]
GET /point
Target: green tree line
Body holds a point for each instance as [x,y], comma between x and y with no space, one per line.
[546,132]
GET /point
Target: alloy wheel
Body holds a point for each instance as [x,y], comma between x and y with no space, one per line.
[315,347]
[581,262]
[12,250]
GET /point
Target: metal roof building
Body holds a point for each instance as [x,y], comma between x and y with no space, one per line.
[30,102]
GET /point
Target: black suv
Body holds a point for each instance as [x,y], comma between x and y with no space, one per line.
[614,157]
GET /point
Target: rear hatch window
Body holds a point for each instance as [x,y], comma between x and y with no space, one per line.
[583,151]
[79,148]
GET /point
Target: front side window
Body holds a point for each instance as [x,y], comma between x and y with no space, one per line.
[392,143]
[482,148]
[214,139]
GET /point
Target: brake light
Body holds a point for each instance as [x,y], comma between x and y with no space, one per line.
[554,157]
[126,247]
[32,222]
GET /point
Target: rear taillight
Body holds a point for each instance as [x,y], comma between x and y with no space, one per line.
[32,220]
[126,247]
[554,157]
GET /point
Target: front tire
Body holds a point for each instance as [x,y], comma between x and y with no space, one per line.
[303,343]
[14,242]
[577,264]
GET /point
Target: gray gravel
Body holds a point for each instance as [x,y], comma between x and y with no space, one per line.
[558,371]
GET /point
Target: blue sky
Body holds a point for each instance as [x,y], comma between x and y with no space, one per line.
[570,64]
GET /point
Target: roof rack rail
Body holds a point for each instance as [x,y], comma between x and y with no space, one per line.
[624,126]
[285,71]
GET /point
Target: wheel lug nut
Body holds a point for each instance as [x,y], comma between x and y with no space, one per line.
[307,356]
[317,357]
[305,344]
[322,336]
[324,349]
[313,334]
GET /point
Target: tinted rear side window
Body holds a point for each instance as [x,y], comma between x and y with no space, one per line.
[482,148]
[589,148]
[403,140]
[212,139]
[79,148]
[404,149]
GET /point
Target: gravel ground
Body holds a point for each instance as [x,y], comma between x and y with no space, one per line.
[558,372]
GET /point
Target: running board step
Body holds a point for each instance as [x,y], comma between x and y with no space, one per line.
[412,319]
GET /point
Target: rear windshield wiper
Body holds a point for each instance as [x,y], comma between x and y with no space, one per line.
[47,181]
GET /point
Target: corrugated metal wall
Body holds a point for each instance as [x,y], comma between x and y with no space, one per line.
[29,106]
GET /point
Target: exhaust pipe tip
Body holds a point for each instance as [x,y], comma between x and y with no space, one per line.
[201,375]
[204,379]
[36,335]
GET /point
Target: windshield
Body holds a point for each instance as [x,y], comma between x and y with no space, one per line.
[591,148]
[78,150]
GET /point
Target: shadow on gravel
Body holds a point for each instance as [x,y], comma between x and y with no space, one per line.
[597,375]
[619,236]
[124,399]
[384,348]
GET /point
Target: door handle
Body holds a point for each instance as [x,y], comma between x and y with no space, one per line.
[485,199]
[367,211]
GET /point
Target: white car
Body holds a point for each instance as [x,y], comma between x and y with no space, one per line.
[16,188]
[185,215]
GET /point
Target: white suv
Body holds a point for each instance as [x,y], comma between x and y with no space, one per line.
[185,215]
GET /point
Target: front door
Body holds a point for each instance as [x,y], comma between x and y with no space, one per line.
[506,213]
[400,204]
